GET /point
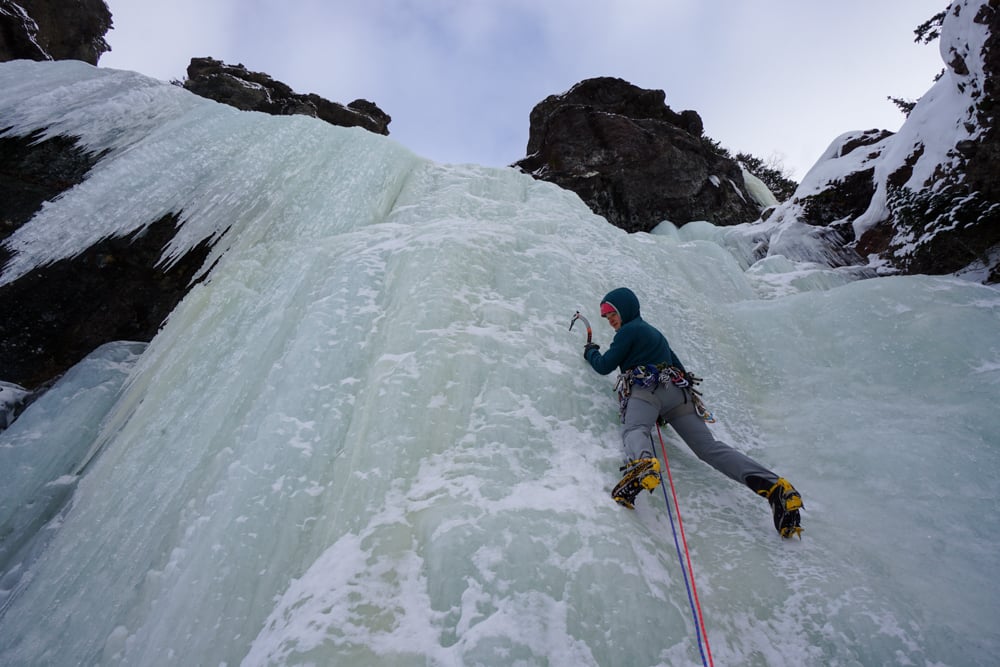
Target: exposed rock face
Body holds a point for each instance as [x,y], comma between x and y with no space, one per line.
[58,314]
[910,208]
[984,156]
[53,30]
[236,86]
[848,196]
[632,159]
[32,173]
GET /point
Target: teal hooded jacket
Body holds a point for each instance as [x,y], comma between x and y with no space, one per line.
[636,343]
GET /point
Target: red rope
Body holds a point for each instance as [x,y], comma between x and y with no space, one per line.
[687,554]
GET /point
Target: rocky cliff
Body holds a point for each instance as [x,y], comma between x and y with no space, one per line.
[237,86]
[633,159]
[116,289]
[53,30]
[925,199]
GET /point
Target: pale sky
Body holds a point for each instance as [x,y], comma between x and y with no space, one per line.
[460,77]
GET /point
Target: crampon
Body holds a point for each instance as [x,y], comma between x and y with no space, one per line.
[785,502]
[639,475]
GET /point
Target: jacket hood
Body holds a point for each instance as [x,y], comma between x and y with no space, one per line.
[625,302]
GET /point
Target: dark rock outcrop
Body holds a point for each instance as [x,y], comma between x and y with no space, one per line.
[33,172]
[57,314]
[949,221]
[632,159]
[236,86]
[984,156]
[54,30]
[849,196]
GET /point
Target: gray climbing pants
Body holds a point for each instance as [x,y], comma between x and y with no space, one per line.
[675,407]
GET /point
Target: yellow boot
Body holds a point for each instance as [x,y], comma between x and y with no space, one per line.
[785,503]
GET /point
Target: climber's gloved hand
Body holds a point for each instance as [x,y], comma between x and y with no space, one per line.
[588,347]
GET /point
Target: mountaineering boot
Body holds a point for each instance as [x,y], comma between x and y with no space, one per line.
[650,481]
[625,498]
[785,503]
[639,474]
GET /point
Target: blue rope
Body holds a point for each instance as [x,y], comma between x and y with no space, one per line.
[687,584]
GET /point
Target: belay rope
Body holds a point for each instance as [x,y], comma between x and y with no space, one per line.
[688,572]
[650,377]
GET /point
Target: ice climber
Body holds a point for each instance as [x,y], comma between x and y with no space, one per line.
[653,386]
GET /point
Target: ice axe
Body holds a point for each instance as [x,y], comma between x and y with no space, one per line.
[590,332]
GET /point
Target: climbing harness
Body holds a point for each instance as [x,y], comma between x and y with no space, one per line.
[650,377]
[688,572]
[590,332]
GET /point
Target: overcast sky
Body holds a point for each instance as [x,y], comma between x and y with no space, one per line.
[460,77]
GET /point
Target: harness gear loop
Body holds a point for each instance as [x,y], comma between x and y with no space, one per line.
[651,376]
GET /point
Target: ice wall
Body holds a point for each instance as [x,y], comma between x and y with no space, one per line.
[369,437]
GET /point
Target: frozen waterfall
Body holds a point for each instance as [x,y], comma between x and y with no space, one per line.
[368,438]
